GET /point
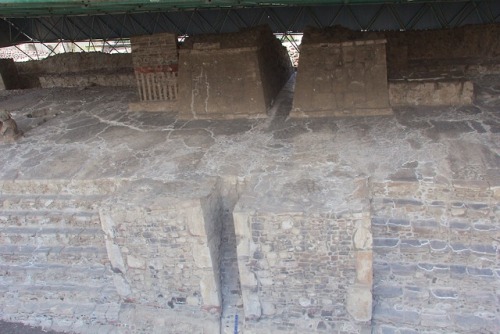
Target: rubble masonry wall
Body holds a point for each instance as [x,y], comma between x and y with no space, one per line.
[436,256]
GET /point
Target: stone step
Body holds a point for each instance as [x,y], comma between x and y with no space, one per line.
[12,254]
[66,203]
[59,187]
[55,236]
[64,312]
[36,218]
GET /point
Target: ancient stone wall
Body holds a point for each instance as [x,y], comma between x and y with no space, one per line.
[436,257]
[431,92]
[78,69]
[408,51]
[165,250]
[341,79]
[304,270]
[231,75]
[75,259]
[155,59]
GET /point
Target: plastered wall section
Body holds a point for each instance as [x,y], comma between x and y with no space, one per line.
[165,253]
[436,256]
[221,83]
[342,79]
[304,271]
[234,75]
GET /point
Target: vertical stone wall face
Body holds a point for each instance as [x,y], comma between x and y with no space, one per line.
[8,74]
[436,257]
[165,252]
[155,60]
[231,75]
[342,78]
[305,270]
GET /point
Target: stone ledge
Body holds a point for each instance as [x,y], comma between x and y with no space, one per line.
[153,106]
[431,93]
[360,112]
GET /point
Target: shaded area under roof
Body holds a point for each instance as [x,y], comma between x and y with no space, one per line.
[108,20]
[33,8]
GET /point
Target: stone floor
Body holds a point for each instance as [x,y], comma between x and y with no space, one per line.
[82,134]
[89,134]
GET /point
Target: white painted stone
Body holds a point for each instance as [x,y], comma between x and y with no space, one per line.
[363,238]
[115,256]
[201,255]
[195,220]
[107,223]
[136,262]
[286,224]
[359,302]
[252,306]
[304,302]
[208,288]
[268,308]
[121,285]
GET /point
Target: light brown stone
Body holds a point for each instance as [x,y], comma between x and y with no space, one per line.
[364,267]
[359,302]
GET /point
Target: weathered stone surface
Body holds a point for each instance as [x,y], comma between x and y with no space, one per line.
[297,184]
[359,302]
[346,78]
[75,69]
[431,93]
[214,84]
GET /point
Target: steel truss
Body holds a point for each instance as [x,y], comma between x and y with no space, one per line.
[283,20]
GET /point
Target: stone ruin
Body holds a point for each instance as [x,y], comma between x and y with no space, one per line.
[8,127]
[155,58]
[336,77]
[232,75]
[317,251]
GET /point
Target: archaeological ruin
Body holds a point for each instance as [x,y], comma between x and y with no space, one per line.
[201,184]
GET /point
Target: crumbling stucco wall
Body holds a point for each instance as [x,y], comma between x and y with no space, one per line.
[338,78]
[78,69]
[231,75]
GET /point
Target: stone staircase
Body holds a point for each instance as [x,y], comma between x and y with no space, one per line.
[53,259]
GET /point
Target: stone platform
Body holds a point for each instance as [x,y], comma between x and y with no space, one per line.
[99,199]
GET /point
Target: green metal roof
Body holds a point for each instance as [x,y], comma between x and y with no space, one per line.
[34,8]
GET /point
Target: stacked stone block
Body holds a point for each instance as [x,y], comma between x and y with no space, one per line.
[231,75]
[431,92]
[155,60]
[77,69]
[164,249]
[436,257]
[304,270]
[341,78]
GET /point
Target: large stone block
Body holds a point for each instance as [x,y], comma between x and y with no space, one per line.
[341,78]
[431,93]
[296,258]
[235,75]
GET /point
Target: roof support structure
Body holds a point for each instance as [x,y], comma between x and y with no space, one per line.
[282,19]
